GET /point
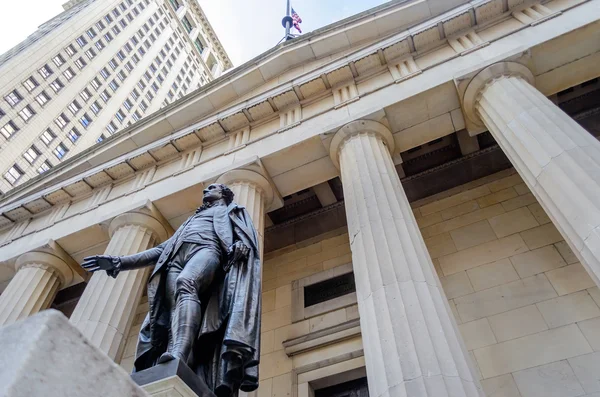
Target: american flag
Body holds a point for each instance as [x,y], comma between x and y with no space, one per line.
[297,20]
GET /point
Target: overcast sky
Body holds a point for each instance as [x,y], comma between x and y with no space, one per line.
[246,27]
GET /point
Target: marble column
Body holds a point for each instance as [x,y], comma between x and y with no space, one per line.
[411,342]
[107,307]
[557,158]
[40,275]
[253,191]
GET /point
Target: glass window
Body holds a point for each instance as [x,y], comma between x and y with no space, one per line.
[45,166]
[95,107]
[80,63]
[81,41]
[45,71]
[121,55]
[85,120]
[150,98]
[90,54]
[108,37]
[26,113]
[111,127]
[60,151]
[30,84]
[95,83]
[136,115]
[108,18]
[70,50]
[57,85]
[13,174]
[99,45]
[74,135]
[135,94]
[74,107]
[61,121]
[123,23]
[143,106]
[69,74]
[48,136]
[91,33]
[58,60]
[13,98]
[113,64]
[42,98]
[127,104]
[100,25]
[120,115]
[129,67]
[104,73]
[116,30]
[121,75]
[154,87]
[105,96]
[113,85]
[85,94]
[31,154]
[187,24]
[100,138]
[8,129]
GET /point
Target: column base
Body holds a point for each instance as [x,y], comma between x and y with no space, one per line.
[173,378]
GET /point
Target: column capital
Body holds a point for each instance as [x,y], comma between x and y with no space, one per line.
[144,218]
[359,127]
[50,257]
[252,177]
[478,84]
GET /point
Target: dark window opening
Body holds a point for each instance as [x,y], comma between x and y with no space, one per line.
[329,289]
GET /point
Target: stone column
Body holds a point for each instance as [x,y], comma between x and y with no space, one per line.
[253,191]
[411,342]
[107,307]
[40,275]
[557,158]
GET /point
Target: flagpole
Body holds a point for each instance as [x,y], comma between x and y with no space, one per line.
[287,22]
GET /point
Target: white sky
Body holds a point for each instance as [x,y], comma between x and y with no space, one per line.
[246,28]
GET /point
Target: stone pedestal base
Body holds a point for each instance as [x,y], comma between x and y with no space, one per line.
[172,379]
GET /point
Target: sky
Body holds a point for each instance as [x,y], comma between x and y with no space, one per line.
[246,28]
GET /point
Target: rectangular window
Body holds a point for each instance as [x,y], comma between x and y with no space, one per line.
[85,94]
[81,41]
[62,121]
[45,166]
[108,18]
[199,45]
[135,41]
[127,104]
[100,138]
[105,96]
[8,129]
[123,6]
[121,55]
[143,106]
[116,13]
[48,136]
[58,60]
[42,98]
[141,85]
[123,23]
[45,71]
[85,120]
[111,127]
[104,73]
[147,76]
[91,33]
[74,107]
[113,64]
[69,74]
[136,115]
[74,135]
[135,58]
[135,94]
[154,87]
[13,174]
[60,151]
[13,98]
[108,37]
[31,154]
[186,24]
[121,75]
[329,289]
[30,84]
[80,63]
[100,25]
[70,50]
[150,98]
[95,83]
[99,45]
[141,51]
[129,17]
[146,44]
[113,85]
[95,107]
[160,78]
[116,30]
[26,113]
[90,54]
[129,67]
[57,85]
[120,115]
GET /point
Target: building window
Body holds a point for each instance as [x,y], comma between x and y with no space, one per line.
[141,85]
[147,76]
[13,98]
[85,120]
[175,4]
[8,129]
[108,37]
[85,94]
[60,151]
[135,58]
[74,135]
[123,23]
[135,94]
[70,49]
[69,74]
[100,25]
[111,127]
[58,60]
[119,115]
[30,84]
[116,30]
[26,113]
[95,107]
[99,45]
[95,83]
[61,121]
[45,166]
[127,104]
[80,63]
[81,41]
[13,174]
[91,33]
[113,85]
[108,18]
[74,107]
[31,154]
[141,51]
[105,96]
[150,97]
[100,138]
[136,115]
[199,45]
[121,55]
[113,64]
[154,87]
[48,136]
[104,73]
[121,75]
[57,85]
[128,47]
[129,67]
[90,54]
[116,13]
[42,98]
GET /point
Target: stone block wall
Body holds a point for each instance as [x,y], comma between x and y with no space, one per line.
[527,310]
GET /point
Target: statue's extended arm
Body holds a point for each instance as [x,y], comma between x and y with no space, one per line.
[114,264]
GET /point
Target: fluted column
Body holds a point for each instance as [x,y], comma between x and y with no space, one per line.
[107,307]
[411,343]
[557,158]
[40,275]
[253,191]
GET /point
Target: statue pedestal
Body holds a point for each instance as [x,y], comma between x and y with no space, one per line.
[171,379]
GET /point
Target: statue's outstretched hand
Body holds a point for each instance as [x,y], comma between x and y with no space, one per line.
[238,251]
[111,264]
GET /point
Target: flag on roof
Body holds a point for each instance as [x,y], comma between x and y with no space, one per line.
[297,20]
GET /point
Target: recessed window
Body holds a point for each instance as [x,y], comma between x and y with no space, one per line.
[128,47]
[90,54]
[74,135]
[100,138]
[13,174]
[129,67]
[48,136]
[31,154]
[127,104]
[120,115]
[13,98]
[121,75]
[69,74]
[100,25]
[111,127]
[57,85]
[149,96]
[105,96]
[113,85]
[104,73]
[60,151]
[95,83]
[74,107]
[154,87]
[95,107]
[136,115]
[30,84]
[8,129]
[80,63]
[85,94]
[108,37]
[116,13]
[58,60]
[113,64]
[135,94]
[116,30]
[26,113]
[45,166]
[123,23]
[85,120]
[42,98]
[62,120]
[70,50]
[91,33]
[121,55]
[100,45]
[81,41]
[108,18]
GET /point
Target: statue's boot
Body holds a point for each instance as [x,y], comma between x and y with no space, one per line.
[185,324]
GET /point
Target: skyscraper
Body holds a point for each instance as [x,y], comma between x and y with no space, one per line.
[94,69]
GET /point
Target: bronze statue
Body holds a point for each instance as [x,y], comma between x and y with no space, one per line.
[204,295]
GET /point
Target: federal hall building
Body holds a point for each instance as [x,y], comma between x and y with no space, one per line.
[424,178]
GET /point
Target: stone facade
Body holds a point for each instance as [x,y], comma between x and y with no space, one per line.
[424,182]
